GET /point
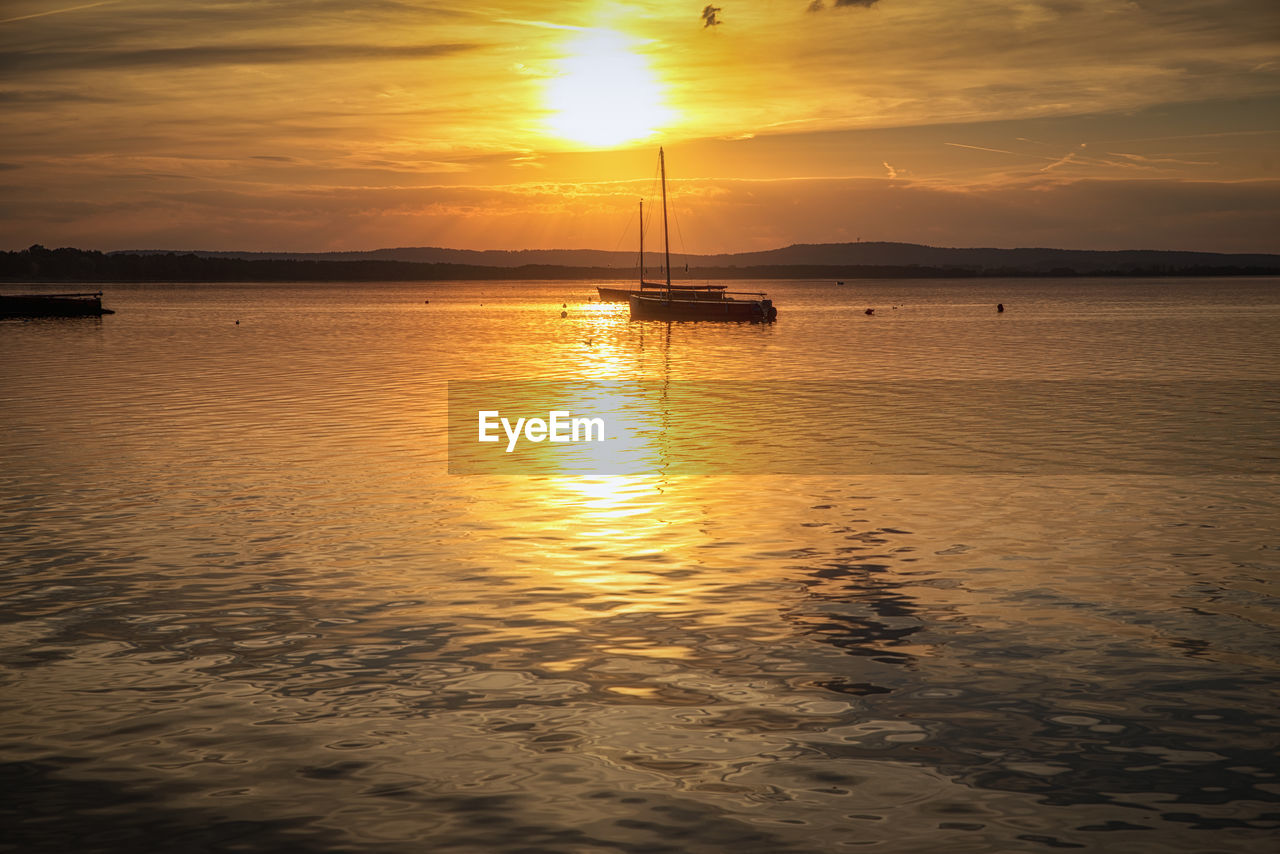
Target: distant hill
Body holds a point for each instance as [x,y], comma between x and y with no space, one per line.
[1041,261]
[817,261]
[987,261]
[437,255]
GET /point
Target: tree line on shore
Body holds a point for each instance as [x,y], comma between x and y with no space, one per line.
[38,264]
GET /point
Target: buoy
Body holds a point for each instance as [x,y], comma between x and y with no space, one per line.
[564,314]
[999,307]
[237,323]
[870,311]
[564,305]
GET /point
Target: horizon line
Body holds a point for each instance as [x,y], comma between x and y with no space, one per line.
[1042,248]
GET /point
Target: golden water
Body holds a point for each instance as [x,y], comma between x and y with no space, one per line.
[245,604]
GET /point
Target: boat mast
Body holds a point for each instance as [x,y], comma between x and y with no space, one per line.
[666,240]
[642,244]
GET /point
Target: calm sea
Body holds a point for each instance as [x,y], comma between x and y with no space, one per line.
[1017,591]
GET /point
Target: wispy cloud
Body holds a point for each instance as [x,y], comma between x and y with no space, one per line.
[982,148]
[1156,213]
[45,97]
[211,55]
[1143,160]
[1094,164]
[199,55]
[1069,157]
[56,11]
[542,25]
[819,5]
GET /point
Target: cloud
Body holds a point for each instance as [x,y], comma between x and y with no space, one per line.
[55,12]
[710,16]
[213,55]
[1226,216]
[819,5]
[979,148]
[1100,164]
[544,25]
[893,173]
[44,97]
[718,215]
[1139,160]
[1069,157]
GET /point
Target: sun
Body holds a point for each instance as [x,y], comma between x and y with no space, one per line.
[605,94]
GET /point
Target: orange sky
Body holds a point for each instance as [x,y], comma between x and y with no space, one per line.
[311,125]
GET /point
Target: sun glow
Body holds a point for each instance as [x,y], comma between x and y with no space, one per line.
[605,94]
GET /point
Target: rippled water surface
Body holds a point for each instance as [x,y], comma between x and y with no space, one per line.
[246,607]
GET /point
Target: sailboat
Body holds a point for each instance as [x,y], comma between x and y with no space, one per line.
[674,303]
[689,291]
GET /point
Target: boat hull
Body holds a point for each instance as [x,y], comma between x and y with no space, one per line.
[55,305]
[680,308]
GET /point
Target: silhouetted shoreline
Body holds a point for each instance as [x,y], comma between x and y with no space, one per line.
[38,264]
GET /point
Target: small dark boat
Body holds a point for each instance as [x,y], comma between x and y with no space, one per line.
[53,305]
[668,302]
